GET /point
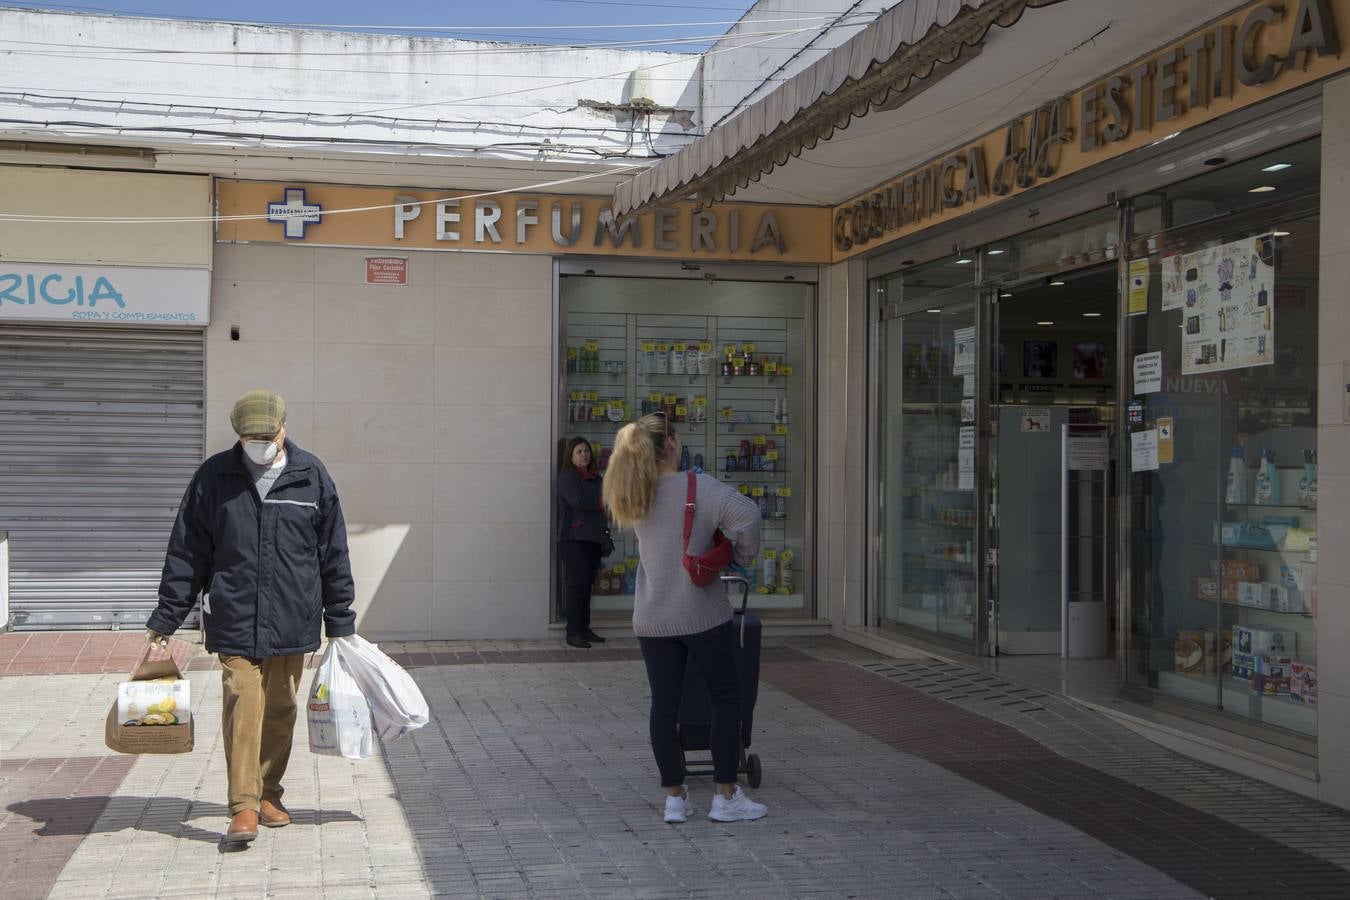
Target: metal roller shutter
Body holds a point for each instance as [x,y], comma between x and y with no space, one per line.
[101,429]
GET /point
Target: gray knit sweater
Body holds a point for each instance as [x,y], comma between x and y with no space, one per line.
[668,603]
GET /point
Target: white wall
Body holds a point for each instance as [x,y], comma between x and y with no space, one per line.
[430,405]
[1333,448]
[439,98]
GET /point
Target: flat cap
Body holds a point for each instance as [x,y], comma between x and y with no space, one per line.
[257,413]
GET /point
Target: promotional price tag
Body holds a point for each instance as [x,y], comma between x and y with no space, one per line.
[571,352]
[760,440]
[705,346]
[771,455]
[785,492]
[744,488]
[729,349]
[654,398]
[780,429]
[770,367]
[671,398]
[785,371]
[681,346]
[749,348]
[700,401]
[662,348]
[649,346]
[681,410]
[600,409]
[631,561]
[592,395]
[728,412]
[619,569]
[770,554]
[592,346]
[757,491]
[574,396]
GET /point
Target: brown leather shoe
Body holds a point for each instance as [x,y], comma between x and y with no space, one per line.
[273,814]
[243,827]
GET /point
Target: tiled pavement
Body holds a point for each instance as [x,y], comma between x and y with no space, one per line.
[884,779]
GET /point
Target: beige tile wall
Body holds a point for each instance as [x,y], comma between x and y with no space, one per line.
[1333,449]
[430,405]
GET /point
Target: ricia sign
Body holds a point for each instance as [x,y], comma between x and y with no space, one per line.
[33,292]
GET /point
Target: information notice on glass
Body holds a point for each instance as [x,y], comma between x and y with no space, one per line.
[963,357]
[1226,294]
[1144,450]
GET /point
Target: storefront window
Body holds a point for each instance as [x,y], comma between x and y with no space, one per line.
[927,461]
[1221,334]
[730,363]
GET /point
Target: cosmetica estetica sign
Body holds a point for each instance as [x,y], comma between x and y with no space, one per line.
[1243,58]
[351,216]
[117,295]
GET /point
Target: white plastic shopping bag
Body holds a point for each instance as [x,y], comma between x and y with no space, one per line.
[339,717]
[396,703]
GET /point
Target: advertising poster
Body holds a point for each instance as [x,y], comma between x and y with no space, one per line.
[1173,278]
[1148,372]
[1138,286]
[963,360]
[1089,360]
[1039,359]
[1228,308]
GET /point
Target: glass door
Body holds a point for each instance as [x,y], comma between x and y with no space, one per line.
[927,469]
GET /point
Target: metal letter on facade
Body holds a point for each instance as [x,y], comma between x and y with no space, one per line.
[563,240]
[445,218]
[407,210]
[1252,72]
[486,214]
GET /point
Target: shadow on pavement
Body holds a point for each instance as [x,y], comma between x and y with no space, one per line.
[172,816]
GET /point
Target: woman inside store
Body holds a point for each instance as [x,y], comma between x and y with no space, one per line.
[583,536]
[676,619]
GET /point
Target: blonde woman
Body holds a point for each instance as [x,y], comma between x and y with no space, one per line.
[676,620]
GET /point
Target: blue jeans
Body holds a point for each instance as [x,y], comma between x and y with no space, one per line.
[713,652]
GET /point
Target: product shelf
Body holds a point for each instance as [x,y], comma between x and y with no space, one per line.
[1256,609]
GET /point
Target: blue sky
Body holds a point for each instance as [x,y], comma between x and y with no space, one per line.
[504,18]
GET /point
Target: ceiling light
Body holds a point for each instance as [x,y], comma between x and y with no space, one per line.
[965,260]
[935,310]
[1045,323]
[996,252]
[1278,167]
[1057,283]
[1092,315]
[1282,234]
[1263,189]
[1005,295]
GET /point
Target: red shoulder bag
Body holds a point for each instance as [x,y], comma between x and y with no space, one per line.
[706,568]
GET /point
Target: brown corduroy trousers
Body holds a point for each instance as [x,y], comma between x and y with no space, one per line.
[257,723]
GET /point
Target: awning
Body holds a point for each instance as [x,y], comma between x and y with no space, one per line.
[876,66]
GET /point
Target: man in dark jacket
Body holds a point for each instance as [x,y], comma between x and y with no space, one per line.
[260,530]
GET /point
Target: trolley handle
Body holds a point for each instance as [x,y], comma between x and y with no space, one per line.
[745,598]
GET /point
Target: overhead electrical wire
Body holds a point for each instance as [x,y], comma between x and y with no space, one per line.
[95,49]
[186,220]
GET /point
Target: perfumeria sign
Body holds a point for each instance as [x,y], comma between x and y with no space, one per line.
[1246,57]
[336,215]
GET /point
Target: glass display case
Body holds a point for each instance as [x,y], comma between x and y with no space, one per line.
[729,364]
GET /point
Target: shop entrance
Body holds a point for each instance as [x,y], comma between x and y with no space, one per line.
[1052,484]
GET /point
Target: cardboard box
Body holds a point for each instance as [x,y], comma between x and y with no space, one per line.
[1239,569]
[1272,675]
[156,738]
[1263,595]
[1244,666]
[1263,642]
[1208,589]
[1193,652]
[1303,682]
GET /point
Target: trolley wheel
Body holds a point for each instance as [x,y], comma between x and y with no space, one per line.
[754,774]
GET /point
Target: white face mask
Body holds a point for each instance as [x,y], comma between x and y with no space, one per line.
[261,452]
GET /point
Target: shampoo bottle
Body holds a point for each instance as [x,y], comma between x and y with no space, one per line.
[1236,490]
[1267,480]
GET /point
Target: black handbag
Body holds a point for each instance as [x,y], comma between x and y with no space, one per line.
[607,545]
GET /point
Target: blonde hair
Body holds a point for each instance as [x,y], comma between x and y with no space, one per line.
[635,467]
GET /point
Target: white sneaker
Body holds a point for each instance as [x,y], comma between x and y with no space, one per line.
[739,808]
[678,809]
